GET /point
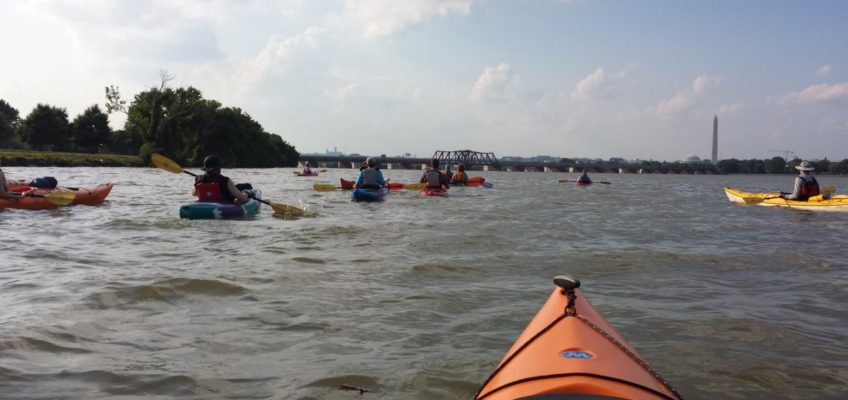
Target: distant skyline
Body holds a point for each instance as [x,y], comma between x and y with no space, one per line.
[570,78]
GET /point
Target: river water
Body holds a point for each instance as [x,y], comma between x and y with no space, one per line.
[414,298]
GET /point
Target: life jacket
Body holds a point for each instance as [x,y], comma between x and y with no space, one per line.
[307,170]
[459,177]
[809,188]
[213,187]
[584,179]
[369,179]
[45,182]
[433,179]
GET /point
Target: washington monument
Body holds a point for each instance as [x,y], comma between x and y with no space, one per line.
[715,140]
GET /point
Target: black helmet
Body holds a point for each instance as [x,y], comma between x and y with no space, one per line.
[211,162]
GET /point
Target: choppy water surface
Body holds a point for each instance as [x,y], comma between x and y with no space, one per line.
[414,298]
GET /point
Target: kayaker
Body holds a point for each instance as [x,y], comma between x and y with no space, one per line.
[306,169]
[448,172]
[212,186]
[433,177]
[806,185]
[584,177]
[370,177]
[4,189]
[460,177]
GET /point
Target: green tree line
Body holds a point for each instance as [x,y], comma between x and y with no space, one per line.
[177,122]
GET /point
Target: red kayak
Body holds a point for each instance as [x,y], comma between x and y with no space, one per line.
[437,192]
[306,174]
[568,351]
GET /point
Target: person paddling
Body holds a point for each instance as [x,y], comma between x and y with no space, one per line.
[214,187]
[434,178]
[460,177]
[584,178]
[370,177]
[806,185]
[307,170]
[4,189]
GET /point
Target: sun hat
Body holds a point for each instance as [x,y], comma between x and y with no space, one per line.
[805,166]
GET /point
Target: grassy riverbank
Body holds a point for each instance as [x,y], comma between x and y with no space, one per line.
[28,158]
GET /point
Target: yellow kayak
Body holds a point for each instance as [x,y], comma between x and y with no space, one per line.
[824,202]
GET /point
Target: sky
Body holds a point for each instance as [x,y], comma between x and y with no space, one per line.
[566,78]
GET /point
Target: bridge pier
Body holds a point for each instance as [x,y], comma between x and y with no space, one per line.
[551,169]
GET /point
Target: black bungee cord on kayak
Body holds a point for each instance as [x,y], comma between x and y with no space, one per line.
[568,284]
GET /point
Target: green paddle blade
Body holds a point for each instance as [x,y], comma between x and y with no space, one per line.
[165,163]
[324,187]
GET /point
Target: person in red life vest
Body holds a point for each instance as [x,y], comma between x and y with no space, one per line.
[433,177]
[805,184]
[212,186]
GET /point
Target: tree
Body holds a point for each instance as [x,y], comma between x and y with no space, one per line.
[9,122]
[45,128]
[729,166]
[776,165]
[90,130]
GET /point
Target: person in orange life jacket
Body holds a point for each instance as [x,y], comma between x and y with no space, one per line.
[435,178]
[4,190]
[460,177]
[370,177]
[212,186]
[805,184]
[306,169]
[584,177]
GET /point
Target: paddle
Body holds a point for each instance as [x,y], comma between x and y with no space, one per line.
[58,198]
[325,187]
[758,200]
[414,186]
[169,165]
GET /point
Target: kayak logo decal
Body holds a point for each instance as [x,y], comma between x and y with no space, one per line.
[576,354]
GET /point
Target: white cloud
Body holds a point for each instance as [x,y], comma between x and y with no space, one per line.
[589,85]
[686,98]
[375,18]
[818,93]
[274,55]
[494,84]
[824,71]
[731,108]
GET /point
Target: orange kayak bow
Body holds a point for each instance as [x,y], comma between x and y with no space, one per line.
[569,351]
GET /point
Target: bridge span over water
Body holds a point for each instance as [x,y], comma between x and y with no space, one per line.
[477,161]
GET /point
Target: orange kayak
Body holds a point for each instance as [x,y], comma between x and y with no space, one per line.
[568,350]
[89,195]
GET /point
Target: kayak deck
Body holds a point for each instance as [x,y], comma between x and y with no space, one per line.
[569,349]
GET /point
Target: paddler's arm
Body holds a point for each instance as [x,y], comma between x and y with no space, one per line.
[794,195]
[238,194]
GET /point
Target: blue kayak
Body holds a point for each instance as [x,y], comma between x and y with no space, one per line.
[216,210]
[369,195]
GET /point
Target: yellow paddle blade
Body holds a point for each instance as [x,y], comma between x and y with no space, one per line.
[563,181]
[287,209]
[324,187]
[165,163]
[323,170]
[414,186]
[828,190]
[754,200]
[60,198]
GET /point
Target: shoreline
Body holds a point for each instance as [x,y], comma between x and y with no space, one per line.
[29,158]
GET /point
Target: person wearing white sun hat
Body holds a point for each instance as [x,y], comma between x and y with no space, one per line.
[806,185]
